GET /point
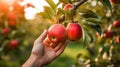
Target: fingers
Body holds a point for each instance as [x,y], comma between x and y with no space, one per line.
[47,42]
[59,45]
[42,36]
[61,48]
[53,45]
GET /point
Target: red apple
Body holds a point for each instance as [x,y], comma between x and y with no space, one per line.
[13,44]
[6,31]
[12,16]
[12,22]
[74,31]
[68,7]
[115,1]
[108,34]
[57,33]
[116,23]
[118,39]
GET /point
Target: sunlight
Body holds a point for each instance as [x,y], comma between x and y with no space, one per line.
[9,2]
[31,12]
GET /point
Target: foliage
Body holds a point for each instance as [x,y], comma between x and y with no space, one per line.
[96,18]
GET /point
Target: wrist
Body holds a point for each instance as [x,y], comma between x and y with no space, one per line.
[33,61]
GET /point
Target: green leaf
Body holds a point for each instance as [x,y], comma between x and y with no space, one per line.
[87,13]
[93,20]
[108,4]
[52,4]
[44,15]
[97,28]
[60,12]
[94,26]
[64,1]
[49,10]
[87,38]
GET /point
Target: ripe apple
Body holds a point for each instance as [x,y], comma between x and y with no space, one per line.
[6,31]
[108,34]
[116,23]
[57,33]
[12,16]
[68,7]
[12,23]
[13,44]
[115,1]
[74,31]
[118,39]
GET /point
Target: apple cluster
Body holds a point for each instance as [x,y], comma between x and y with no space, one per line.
[110,34]
[12,19]
[7,30]
[58,33]
[116,24]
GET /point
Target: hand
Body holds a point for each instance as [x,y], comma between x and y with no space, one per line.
[43,54]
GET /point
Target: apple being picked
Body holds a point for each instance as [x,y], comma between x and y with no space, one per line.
[74,31]
[13,44]
[116,23]
[68,7]
[57,33]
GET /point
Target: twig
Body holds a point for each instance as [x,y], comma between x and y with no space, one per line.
[74,8]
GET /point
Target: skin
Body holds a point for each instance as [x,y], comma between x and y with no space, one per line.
[41,54]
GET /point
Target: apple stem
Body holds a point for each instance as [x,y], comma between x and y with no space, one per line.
[74,8]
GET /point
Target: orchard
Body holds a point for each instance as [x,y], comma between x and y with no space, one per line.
[91,26]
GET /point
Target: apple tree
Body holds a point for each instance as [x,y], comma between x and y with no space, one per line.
[100,24]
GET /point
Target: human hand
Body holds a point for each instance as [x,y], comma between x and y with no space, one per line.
[43,54]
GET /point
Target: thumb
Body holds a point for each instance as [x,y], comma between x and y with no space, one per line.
[42,36]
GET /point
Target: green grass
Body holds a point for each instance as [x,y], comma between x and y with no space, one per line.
[68,57]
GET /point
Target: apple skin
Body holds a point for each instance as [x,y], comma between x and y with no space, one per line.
[6,31]
[115,1]
[74,31]
[68,7]
[108,34]
[116,23]
[13,44]
[118,39]
[57,33]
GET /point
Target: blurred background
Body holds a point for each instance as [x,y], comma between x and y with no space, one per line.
[22,21]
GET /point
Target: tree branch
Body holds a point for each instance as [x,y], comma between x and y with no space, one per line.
[74,8]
